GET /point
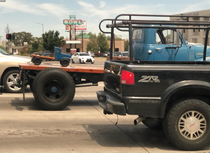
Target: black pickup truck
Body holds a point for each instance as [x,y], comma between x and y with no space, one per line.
[169,95]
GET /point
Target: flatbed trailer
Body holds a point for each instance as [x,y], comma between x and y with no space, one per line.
[58,55]
[53,86]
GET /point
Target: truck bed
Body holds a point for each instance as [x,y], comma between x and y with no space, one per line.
[80,69]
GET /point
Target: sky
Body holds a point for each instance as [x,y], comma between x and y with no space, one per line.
[31,15]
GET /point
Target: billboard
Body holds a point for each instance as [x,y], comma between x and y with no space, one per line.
[83,26]
[72,21]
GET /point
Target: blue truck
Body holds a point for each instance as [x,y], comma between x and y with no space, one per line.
[58,56]
[162,45]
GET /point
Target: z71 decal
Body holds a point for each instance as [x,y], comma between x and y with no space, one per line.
[146,78]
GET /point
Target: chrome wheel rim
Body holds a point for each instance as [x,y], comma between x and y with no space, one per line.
[192,125]
[12,81]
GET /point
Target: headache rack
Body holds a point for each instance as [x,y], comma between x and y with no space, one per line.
[129,23]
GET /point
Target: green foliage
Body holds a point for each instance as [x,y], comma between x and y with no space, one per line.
[35,45]
[102,43]
[97,43]
[52,39]
[92,45]
[126,45]
[21,37]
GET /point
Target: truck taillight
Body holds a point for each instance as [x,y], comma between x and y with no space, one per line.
[127,77]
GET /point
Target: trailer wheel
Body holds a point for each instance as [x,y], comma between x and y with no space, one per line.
[37,60]
[187,124]
[53,89]
[153,123]
[64,62]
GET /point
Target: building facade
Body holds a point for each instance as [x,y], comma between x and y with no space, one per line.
[80,45]
[194,35]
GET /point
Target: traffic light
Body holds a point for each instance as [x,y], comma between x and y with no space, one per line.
[10,36]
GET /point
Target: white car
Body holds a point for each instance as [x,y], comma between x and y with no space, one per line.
[82,57]
[9,70]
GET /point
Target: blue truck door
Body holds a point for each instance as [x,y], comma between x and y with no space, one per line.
[184,52]
[164,47]
[164,52]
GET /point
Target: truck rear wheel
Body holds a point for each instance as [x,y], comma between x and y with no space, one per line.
[37,60]
[187,124]
[65,62]
[53,89]
[153,123]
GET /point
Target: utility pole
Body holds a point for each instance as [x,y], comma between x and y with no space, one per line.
[82,40]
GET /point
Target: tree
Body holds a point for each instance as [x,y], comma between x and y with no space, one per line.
[92,45]
[21,37]
[52,39]
[126,45]
[102,42]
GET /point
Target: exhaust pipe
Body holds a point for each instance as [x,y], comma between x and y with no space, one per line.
[138,120]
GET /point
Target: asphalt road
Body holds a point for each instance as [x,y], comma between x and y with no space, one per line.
[81,127]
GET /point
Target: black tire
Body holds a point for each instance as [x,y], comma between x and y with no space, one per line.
[64,62]
[32,60]
[184,118]
[31,86]
[73,61]
[53,89]
[80,61]
[37,60]
[153,123]
[9,81]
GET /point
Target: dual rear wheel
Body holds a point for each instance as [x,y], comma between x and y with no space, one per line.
[53,89]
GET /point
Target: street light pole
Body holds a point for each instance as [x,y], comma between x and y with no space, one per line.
[42,27]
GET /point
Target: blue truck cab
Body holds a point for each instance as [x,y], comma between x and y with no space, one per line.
[63,58]
[150,44]
[59,55]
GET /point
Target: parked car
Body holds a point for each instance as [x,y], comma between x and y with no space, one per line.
[122,54]
[91,53]
[82,58]
[9,70]
[106,54]
[47,53]
[35,53]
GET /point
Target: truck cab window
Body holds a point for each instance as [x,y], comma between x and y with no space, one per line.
[137,34]
[166,37]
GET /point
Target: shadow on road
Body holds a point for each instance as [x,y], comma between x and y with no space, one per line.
[130,136]
[30,104]
[89,102]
